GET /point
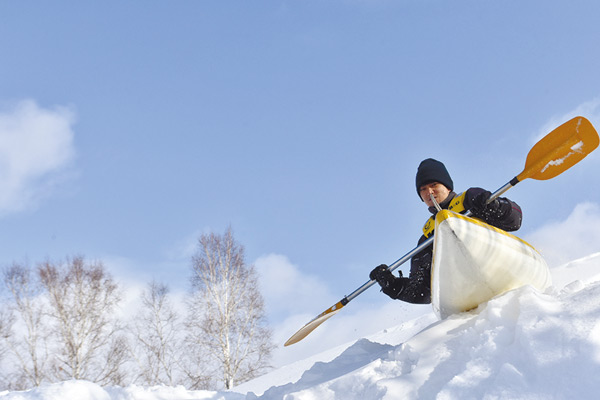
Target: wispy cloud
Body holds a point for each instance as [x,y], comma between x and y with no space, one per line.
[577,236]
[36,147]
[287,290]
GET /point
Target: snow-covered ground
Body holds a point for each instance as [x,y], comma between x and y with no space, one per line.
[521,345]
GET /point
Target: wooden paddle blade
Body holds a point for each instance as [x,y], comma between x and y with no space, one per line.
[312,325]
[559,150]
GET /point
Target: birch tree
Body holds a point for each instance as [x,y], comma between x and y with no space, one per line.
[227,321]
[6,323]
[82,299]
[25,312]
[157,330]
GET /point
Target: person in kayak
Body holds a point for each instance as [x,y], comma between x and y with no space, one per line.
[435,188]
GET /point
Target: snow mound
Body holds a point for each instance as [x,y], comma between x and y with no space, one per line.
[83,390]
[522,345]
[357,356]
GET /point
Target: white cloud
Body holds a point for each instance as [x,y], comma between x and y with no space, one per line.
[577,236]
[36,146]
[287,290]
[183,249]
[133,278]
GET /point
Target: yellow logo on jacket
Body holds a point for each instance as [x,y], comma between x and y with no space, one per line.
[456,205]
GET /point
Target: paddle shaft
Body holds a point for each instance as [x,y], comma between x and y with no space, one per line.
[423,245]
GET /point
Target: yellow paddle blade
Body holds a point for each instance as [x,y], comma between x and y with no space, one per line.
[559,150]
[312,325]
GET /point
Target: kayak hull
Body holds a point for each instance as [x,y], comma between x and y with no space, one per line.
[474,261]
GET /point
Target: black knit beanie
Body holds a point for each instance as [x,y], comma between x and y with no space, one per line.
[431,170]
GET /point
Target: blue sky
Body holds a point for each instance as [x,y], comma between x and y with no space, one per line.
[128,129]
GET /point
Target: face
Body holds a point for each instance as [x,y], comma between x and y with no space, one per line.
[439,191]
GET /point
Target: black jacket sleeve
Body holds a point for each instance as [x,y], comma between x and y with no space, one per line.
[508,215]
[417,287]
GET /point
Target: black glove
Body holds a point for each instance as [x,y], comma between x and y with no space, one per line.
[390,285]
[382,275]
[481,209]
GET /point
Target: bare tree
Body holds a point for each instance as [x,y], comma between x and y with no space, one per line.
[195,363]
[82,299]
[157,331]
[26,311]
[6,322]
[227,320]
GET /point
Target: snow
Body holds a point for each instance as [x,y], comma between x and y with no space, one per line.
[576,149]
[524,344]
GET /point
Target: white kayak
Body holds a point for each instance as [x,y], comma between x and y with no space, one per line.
[474,261]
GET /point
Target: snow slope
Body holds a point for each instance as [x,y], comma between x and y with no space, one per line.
[521,345]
